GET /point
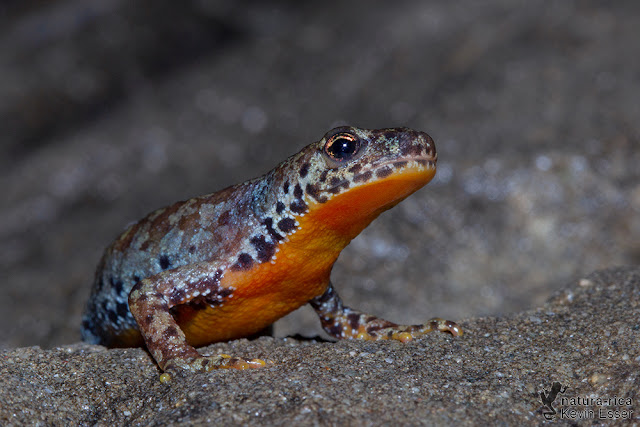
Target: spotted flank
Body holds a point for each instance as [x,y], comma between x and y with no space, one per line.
[227,265]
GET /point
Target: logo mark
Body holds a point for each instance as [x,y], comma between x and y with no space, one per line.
[548,397]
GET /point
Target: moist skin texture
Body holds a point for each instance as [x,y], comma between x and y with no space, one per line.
[227,265]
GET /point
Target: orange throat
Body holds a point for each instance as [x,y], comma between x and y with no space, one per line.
[303,263]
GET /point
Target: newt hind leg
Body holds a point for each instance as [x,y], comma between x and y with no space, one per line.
[343,322]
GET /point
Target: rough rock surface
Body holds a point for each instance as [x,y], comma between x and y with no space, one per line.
[109,110]
[586,337]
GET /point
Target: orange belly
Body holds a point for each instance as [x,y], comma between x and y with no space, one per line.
[262,295]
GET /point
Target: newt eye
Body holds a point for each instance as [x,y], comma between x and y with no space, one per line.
[342,147]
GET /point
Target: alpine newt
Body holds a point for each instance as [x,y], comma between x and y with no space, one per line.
[227,265]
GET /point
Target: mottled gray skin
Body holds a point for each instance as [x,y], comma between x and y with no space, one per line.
[179,254]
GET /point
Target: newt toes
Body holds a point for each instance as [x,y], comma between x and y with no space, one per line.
[227,265]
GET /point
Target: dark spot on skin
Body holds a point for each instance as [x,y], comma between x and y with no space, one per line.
[164,262]
[304,170]
[224,218]
[354,320]
[363,177]
[265,249]
[171,331]
[192,249]
[334,181]
[323,175]
[411,150]
[400,164]
[287,224]
[216,297]
[285,187]
[146,321]
[158,306]
[122,309]
[384,172]
[224,293]
[280,207]
[335,329]
[119,287]
[116,285]
[217,276]
[298,206]
[314,192]
[113,316]
[374,327]
[390,134]
[311,190]
[244,262]
[208,282]
[297,191]
[328,295]
[338,188]
[268,222]
[355,168]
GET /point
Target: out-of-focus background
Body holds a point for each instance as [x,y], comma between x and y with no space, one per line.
[110,109]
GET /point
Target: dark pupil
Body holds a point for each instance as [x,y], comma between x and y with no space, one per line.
[342,148]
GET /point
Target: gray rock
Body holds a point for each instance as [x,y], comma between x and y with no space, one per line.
[586,339]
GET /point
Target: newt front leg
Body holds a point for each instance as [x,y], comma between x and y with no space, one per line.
[150,302]
[345,323]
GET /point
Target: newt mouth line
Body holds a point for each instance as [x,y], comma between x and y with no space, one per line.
[424,163]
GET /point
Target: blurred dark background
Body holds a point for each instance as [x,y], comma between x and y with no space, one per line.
[110,109]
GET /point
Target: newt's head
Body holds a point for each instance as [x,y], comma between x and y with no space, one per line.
[350,176]
[348,157]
